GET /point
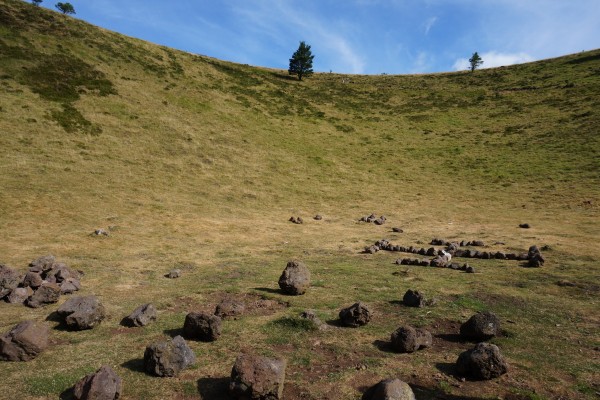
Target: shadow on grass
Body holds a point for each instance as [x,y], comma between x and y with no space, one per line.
[135,365]
[67,394]
[62,326]
[336,323]
[451,337]
[447,369]
[173,332]
[214,388]
[384,346]
[269,290]
[425,393]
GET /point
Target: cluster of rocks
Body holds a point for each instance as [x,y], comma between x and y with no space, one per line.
[296,220]
[463,243]
[43,283]
[453,249]
[437,262]
[373,218]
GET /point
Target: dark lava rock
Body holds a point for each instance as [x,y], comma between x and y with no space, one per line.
[482,362]
[481,326]
[168,358]
[318,217]
[256,377]
[469,269]
[534,257]
[9,280]
[201,326]
[477,243]
[48,293]
[389,389]
[356,315]
[524,226]
[141,316]
[397,230]
[103,384]
[84,312]
[407,339]
[413,298]
[295,278]
[24,342]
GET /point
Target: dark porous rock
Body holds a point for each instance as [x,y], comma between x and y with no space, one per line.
[101,232]
[103,384]
[33,280]
[318,217]
[511,256]
[201,326]
[356,315]
[413,298]
[452,247]
[168,358]
[389,389]
[80,313]
[229,308]
[437,242]
[379,221]
[19,295]
[42,264]
[296,220]
[174,274]
[256,377]
[525,226]
[439,262]
[430,252]
[9,280]
[422,252]
[371,249]
[141,316]
[481,326]
[463,243]
[397,230]
[482,362]
[48,293]
[485,255]
[407,339]
[424,263]
[500,255]
[415,261]
[295,278]
[534,257]
[459,253]
[469,269]
[24,342]
[477,243]
[70,285]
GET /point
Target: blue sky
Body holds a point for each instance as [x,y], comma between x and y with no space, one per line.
[358,36]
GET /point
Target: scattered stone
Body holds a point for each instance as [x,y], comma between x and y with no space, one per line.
[168,358]
[469,269]
[19,295]
[201,326]
[371,249]
[256,377]
[296,220]
[48,293]
[413,298]
[80,313]
[101,232]
[534,257]
[524,226]
[407,339]
[398,230]
[174,274]
[389,389]
[481,326]
[312,317]
[380,220]
[356,315]
[9,280]
[477,243]
[103,384]
[295,279]
[24,342]
[318,217]
[141,316]
[33,280]
[229,308]
[483,362]
[70,285]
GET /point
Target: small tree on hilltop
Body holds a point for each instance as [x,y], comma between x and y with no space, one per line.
[36,2]
[65,8]
[301,62]
[475,61]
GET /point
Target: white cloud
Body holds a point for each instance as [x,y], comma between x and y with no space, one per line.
[492,59]
[429,24]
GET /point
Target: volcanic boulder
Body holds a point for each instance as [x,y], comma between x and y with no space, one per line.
[168,358]
[201,326]
[356,315]
[295,278]
[84,312]
[141,316]
[103,384]
[481,326]
[482,362]
[389,389]
[24,342]
[407,339]
[256,377]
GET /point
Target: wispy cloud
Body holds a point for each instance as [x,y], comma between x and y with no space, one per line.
[492,59]
[429,24]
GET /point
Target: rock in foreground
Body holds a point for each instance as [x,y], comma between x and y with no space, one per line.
[141,316]
[168,358]
[84,312]
[295,278]
[390,389]
[407,339]
[103,384]
[256,377]
[482,362]
[24,342]
[356,315]
[481,326]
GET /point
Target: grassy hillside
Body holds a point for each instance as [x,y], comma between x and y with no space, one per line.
[198,163]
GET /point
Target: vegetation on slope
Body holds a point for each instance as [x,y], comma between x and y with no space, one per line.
[198,163]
